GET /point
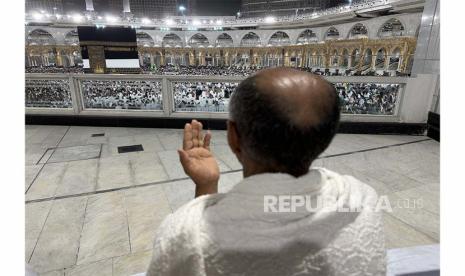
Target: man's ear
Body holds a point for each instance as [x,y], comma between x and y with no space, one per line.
[233,138]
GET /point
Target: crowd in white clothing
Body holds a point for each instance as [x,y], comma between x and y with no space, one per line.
[48,93]
[203,96]
[200,96]
[124,94]
[367,98]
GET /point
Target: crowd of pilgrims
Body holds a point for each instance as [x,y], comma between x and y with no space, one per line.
[132,94]
[48,93]
[55,69]
[203,96]
[355,98]
[209,70]
[367,98]
[202,70]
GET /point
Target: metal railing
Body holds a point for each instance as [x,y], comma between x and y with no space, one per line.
[361,97]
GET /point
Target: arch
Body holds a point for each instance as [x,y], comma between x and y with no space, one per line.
[395,59]
[72,38]
[171,40]
[345,58]
[355,57]
[224,40]
[144,39]
[279,38]
[380,58]
[306,37]
[358,30]
[331,33]
[320,58]
[77,58]
[198,40]
[368,58]
[334,58]
[251,39]
[40,37]
[390,28]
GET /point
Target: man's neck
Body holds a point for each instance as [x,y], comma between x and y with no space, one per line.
[257,169]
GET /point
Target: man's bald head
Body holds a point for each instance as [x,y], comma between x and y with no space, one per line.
[302,97]
[285,117]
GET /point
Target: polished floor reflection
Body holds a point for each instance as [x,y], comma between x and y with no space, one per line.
[91,210]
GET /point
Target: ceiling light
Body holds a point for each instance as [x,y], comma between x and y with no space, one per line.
[195,22]
[146,21]
[270,19]
[219,22]
[77,18]
[169,22]
[37,16]
[111,19]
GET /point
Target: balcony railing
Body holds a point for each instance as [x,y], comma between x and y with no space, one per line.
[187,96]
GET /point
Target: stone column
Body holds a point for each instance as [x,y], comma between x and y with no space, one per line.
[71,60]
[59,61]
[126,6]
[141,59]
[162,59]
[152,59]
[89,5]
[287,60]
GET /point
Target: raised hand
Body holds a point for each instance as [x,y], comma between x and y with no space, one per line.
[197,160]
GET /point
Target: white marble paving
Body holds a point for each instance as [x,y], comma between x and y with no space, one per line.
[400,234]
[114,172]
[170,139]
[31,172]
[110,205]
[146,208]
[34,153]
[417,259]
[36,214]
[75,153]
[47,182]
[46,136]
[132,264]
[100,268]
[46,156]
[105,232]
[74,181]
[58,243]
[415,215]
[147,168]
[58,272]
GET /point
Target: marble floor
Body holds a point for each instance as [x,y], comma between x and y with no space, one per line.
[93,211]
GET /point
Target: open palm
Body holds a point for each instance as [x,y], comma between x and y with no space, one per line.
[196,158]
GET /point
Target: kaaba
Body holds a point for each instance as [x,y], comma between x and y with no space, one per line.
[109,49]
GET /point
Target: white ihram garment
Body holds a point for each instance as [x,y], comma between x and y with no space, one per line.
[231,234]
